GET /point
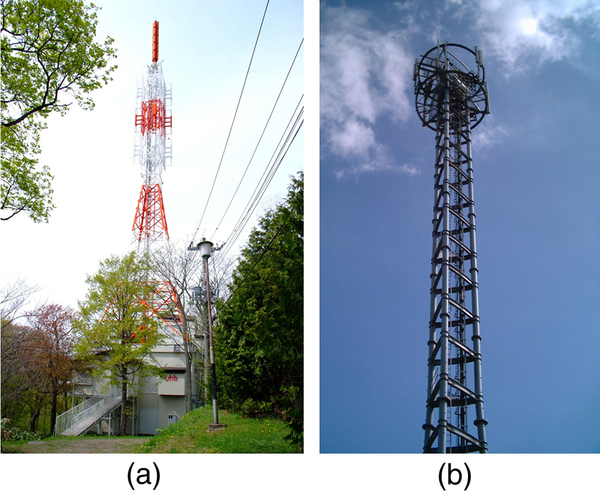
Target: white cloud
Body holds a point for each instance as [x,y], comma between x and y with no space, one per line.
[488,133]
[522,33]
[353,137]
[365,75]
[365,166]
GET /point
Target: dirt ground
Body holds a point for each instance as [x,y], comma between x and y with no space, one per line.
[86,445]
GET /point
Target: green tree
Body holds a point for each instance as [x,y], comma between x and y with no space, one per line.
[47,49]
[115,333]
[259,333]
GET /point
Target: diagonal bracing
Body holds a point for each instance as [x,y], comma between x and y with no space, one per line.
[451,99]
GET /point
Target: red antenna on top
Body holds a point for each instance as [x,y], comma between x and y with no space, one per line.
[152,151]
[155,42]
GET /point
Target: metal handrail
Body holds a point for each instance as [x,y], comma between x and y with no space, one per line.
[74,415]
[64,420]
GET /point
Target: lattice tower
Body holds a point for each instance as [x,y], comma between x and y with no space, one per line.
[452,99]
[152,151]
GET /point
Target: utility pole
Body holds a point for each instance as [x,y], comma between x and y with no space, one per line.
[206,247]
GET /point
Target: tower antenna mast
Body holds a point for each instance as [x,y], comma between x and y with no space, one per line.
[152,151]
[451,99]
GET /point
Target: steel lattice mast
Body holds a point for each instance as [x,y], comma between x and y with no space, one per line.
[451,99]
[152,151]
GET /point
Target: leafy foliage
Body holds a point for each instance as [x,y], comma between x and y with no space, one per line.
[22,186]
[37,364]
[115,333]
[259,335]
[52,354]
[47,49]
[14,433]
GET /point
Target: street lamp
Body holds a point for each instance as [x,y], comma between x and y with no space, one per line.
[205,248]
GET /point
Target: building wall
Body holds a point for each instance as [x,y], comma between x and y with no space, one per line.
[170,405]
[158,398]
[148,422]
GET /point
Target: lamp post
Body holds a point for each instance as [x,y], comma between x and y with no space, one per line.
[205,248]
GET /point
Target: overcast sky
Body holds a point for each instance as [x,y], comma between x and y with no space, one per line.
[537,198]
[205,48]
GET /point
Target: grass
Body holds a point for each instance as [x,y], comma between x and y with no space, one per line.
[60,444]
[13,446]
[241,435]
[189,435]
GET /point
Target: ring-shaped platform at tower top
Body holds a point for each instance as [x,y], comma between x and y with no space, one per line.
[442,67]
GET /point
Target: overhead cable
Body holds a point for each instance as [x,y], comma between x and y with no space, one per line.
[266,248]
[261,136]
[265,179]
[279,154]
[233,121]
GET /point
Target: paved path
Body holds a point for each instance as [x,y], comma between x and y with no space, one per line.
[86,445]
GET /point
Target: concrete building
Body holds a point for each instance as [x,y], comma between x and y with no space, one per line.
[154,402]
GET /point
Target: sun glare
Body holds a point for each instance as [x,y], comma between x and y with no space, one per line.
[528,26]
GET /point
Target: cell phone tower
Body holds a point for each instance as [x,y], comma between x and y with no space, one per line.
[153,151]
[452,99]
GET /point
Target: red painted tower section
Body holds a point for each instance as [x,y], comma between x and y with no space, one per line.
[152,119]
[153,123]
[150,221]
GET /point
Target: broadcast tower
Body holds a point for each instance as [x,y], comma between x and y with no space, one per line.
[152,151]
[452,99]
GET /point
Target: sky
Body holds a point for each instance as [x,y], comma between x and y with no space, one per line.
[537,199]
[369,174]
[205,49]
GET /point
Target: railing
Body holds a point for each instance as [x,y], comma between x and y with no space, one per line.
[92,408]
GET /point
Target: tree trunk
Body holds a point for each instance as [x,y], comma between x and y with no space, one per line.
[33,419]
[188,359]
[123,425]
[53,410]
[36,410]
[188,385]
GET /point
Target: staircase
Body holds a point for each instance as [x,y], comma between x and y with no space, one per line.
[79,418]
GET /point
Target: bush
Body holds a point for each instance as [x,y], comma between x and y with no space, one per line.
[16,434]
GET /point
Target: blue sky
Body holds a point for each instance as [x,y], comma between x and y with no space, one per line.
[537,192]
[537,198]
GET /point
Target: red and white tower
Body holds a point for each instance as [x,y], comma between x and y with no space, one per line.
[152,151]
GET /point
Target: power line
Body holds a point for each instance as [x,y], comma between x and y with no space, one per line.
[264,251]
[261,136]
[267,176]
[279,154]
[261,187]
[233,121]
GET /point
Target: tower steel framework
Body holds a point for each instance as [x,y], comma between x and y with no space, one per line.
[152,151]
[452,99]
